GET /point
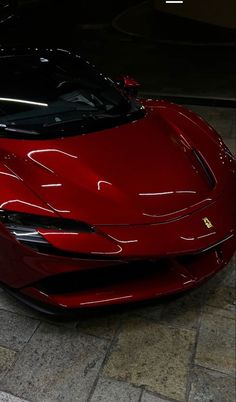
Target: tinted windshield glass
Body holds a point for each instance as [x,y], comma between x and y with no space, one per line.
[52,91]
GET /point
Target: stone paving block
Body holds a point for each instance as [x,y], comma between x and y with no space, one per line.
[211,386]
[231,144]
[183,311]
[223,128]
[229,278]
[9,303]
[15,330]
[152,310]
[224,278]
[58,364]
[216,343]
[147,397]
[233,129]
[152,355]
[115,391]
[221,119]
[4,397]
[104,325]
[219,312]
[7,358]
[222,298]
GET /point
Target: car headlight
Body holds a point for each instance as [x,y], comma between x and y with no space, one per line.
[26,228]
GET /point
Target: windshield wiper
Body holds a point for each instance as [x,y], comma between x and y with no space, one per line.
[86,117]
[17,130]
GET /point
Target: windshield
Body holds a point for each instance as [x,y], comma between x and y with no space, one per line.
[55,92]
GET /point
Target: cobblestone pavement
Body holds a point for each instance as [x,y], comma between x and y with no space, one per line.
[177,349]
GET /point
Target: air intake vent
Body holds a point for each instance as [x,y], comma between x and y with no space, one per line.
[205,168]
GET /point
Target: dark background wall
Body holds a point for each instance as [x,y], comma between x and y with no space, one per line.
[167,54]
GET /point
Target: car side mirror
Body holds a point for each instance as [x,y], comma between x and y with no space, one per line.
[128,84]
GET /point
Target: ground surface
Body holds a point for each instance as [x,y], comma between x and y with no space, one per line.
[180,349]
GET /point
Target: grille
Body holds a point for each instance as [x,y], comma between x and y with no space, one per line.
[88,280]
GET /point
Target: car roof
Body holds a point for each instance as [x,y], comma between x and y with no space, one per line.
[32,51]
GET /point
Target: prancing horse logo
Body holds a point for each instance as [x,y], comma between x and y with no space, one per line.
[207,223]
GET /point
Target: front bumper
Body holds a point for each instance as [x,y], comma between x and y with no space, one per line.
[127,282]
[154,260]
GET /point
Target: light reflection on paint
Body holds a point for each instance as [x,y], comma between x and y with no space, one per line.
[189,281]
[25,203]
[23,101]
[65,211]
[160,216]
[206,235]
[15,175]
[58,233]
[123,241]
[107,300]
[26,233]
[169,192]
[198,237]
[9,174]
[52,185]
[151,194]
[48,150]
[100,182]
[180,210]
[108,252]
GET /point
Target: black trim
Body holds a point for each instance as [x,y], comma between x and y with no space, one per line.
[44,308]
[42,221]
[90,280]
[66,314]
[48,249]
[205,168]
[193,100]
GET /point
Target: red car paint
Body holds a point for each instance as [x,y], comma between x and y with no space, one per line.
[143,186]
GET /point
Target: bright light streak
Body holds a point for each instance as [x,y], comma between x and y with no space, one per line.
[23,101]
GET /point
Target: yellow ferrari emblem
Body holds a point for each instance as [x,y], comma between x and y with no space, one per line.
[207,223]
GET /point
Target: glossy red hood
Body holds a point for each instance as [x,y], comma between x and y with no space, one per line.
[136,173]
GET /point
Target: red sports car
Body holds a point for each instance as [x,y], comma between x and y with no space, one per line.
[105,198]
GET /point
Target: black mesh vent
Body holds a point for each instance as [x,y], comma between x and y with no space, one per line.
[205,169]
[101,277]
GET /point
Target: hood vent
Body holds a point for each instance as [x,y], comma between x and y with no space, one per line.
[205,169]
